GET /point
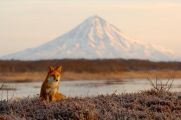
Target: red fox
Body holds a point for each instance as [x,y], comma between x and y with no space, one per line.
[49,88]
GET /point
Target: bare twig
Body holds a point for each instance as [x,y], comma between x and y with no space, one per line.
[159,85]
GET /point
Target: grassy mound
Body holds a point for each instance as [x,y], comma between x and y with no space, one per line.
[144,105]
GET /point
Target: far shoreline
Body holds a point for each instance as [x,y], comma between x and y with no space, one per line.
[118,76]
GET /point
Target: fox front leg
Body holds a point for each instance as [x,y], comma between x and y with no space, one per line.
[47,98]
[52,97]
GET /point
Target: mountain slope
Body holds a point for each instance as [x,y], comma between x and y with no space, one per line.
[94,38]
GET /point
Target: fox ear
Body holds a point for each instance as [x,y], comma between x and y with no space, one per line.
[51,68]
[59,68]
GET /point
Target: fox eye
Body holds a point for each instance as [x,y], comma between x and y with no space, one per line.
[51,78]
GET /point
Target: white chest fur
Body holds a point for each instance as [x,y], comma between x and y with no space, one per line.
[51,90]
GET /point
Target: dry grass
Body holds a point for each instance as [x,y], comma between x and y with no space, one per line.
[40,76]
[144,105]
[22,76]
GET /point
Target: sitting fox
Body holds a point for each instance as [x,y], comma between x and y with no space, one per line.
[49,88]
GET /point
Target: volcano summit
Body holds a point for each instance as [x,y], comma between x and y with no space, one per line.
[94,38]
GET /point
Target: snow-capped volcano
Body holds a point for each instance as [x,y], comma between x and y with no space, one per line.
[94,38]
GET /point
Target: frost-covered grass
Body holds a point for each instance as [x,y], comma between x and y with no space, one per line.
[144,105]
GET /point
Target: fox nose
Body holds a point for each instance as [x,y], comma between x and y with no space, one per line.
[56,80]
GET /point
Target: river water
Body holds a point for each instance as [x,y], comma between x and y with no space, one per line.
[82,88]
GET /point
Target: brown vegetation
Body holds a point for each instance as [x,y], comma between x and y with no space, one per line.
[90,66]
[115,69]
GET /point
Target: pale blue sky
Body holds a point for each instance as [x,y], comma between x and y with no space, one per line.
[29,23]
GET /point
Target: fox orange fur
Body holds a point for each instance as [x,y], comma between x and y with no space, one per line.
[49,88]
